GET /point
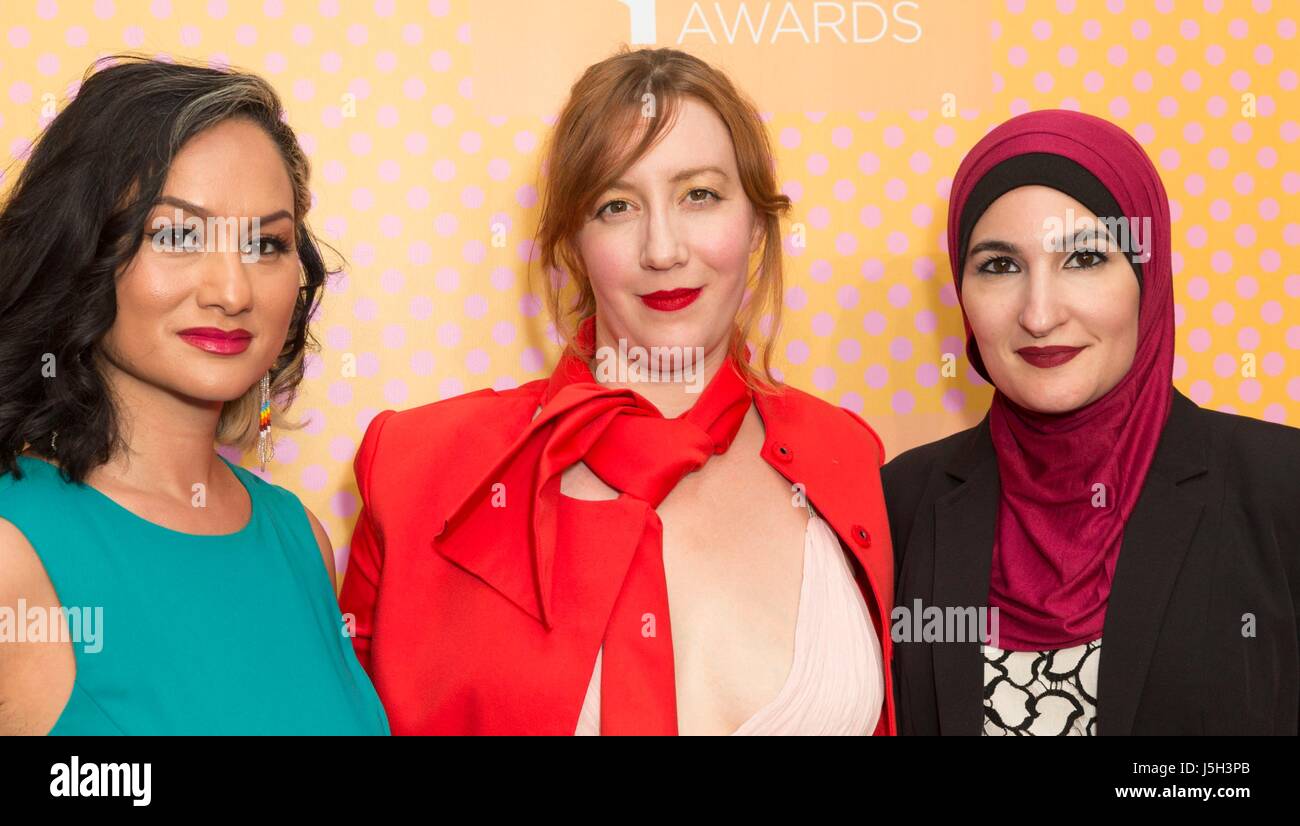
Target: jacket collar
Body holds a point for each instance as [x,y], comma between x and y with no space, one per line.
[1156,539]
[839,483]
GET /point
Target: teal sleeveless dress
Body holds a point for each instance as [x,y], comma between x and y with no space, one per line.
[231,634]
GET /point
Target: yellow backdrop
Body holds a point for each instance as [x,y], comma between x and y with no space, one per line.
[424,122]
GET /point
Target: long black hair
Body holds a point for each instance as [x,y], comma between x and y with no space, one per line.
[75,216]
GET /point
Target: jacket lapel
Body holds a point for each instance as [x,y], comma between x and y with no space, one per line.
[964,522]
[1156,540]
[840,483]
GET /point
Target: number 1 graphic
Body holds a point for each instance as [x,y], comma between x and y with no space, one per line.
[642,13]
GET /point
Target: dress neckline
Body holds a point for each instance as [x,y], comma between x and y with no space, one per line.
[115,506]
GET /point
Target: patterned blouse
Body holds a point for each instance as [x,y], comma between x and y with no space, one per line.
[1039,693]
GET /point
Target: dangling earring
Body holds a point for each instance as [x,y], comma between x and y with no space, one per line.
[265,447]
[54,443]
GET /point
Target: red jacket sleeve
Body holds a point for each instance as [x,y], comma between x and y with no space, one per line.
[366,552]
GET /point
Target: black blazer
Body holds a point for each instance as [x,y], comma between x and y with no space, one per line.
[1215,535]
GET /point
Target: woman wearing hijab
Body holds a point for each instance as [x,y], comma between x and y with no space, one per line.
[1142,554]
[519,550]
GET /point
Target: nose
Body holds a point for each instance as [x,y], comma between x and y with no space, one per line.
[225,284]
[663,247]
[1044,308]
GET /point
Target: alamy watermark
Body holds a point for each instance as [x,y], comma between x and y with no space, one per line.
[660,363]
[82,626]
[1129,236]
[949,623]
[209,234]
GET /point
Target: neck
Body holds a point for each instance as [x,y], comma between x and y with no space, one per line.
[673,393]
[169,439]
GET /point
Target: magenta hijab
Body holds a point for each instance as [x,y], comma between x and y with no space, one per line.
[1055,550]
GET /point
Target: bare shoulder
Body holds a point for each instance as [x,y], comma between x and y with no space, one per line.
[324,544]
[35,677]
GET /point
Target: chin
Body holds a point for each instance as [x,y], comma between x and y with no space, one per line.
[1044,400]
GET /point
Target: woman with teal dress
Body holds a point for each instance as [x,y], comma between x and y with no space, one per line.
[157,278]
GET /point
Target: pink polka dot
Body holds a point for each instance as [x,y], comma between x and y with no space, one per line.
[343,503]
[1224,365]
[1201,392]
[797,351]
[874,323]
[903,402]
[927,374]
[954,400]
[1249,390]
[900,349]
[1199,340]
[824,377]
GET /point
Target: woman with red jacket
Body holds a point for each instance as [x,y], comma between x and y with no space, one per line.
[518,550]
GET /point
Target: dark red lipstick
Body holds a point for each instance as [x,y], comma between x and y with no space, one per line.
[1048,356]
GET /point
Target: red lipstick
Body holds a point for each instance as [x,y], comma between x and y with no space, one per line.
[214,340]
[1048,356]
[670,300]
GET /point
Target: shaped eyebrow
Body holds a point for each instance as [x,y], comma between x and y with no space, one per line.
[203,213]
[680,176]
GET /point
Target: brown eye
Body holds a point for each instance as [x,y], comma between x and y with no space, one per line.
[1000,265]
[611,208]
[1086,260]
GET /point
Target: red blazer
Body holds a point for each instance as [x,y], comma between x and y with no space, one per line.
[457,646]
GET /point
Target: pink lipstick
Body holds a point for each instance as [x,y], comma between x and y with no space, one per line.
[214,340]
